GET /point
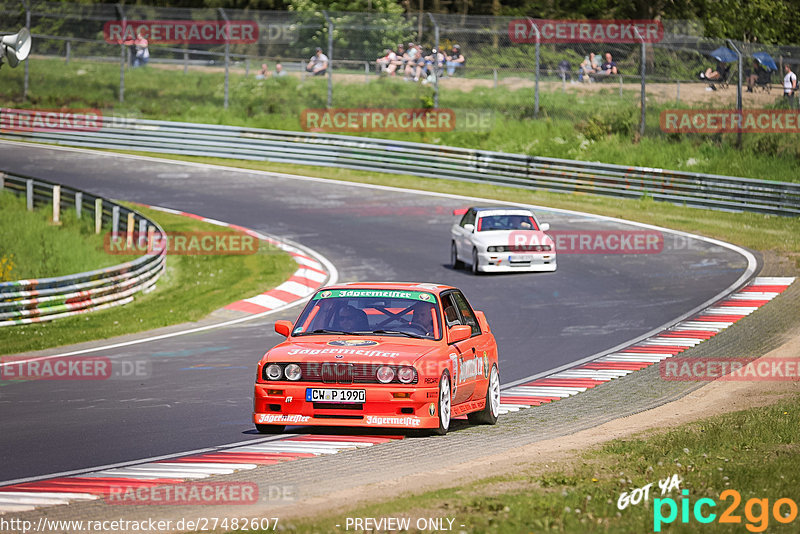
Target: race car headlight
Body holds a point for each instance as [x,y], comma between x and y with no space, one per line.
[273,372]
[492,249]
[385,374]
[405,375]
[293,371]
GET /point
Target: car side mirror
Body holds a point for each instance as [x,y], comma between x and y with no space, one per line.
[544,227]
[459,333]
[482,322]
[284,328]
[469,228]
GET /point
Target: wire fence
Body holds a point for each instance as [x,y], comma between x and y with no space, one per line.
[550,76]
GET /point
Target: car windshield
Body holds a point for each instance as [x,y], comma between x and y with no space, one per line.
[364,312]
[488,223]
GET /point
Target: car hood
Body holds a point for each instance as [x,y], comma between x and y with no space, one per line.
[512,237]
[356,349]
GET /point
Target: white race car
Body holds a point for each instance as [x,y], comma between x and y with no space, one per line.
[501,239]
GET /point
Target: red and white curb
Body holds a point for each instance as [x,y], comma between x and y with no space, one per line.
[666,344]
[310,275]
[101,483]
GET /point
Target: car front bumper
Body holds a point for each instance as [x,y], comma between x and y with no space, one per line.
[505,262]
[386,406]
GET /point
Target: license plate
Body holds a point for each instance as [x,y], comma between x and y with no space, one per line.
[336,395]
[521,257]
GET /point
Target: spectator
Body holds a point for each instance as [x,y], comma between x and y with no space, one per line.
[789,82]
[608,67]
[318,64]
[263,73]
[433,65]
[418,62]
[410,57]
[400,58]
[755,74]
[563,70]
[388,63]
[588,68]
[455,59]
[279,72]
[141,51]
[719,75]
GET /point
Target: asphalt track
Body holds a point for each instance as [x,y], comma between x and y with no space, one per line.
[199,391]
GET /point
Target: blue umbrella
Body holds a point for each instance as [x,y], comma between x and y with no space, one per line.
[765,60]
[726,55]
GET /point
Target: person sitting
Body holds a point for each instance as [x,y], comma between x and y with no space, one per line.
[432,66]
[758,76]
[318,64]
[455,60]
[588,68]
[263,73]
[607,68]
[422,319]
[279,70]
[719,75]
[352,320]
[388,63]
[411,58]
[400,58]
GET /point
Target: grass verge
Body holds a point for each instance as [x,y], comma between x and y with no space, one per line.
[753,452]
[36,248]
[190,288]
[591,126]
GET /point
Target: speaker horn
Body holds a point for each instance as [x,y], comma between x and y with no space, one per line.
[16,47]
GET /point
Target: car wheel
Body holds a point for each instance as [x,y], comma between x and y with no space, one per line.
[270,429]
[444,404]
[475,261]
[454,261]
[488,416]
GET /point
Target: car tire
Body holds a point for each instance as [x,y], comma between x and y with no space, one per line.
[475,262]
[444,405]
[270,429]
[488,416]
[455,263]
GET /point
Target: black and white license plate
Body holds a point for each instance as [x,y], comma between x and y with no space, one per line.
[520,258]
[336,395]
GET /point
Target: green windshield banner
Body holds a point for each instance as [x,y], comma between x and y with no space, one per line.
[375,293]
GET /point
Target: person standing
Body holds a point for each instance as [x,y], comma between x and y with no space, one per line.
[142,50]
[789,83]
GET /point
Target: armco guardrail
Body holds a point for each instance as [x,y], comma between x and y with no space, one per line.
[45,299]
[379,155]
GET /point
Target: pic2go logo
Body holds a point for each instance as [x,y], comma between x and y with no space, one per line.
[756,511]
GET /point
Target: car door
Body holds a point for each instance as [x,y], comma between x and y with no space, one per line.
[464,239]
[469,361]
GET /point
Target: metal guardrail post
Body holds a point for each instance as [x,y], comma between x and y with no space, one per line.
[78,204]
[98,215]
[2,180]
[68,52]
[330,58]
[738,96]
[642,72]
[56,204]
[227,53]
[115,222]
[29,195]
[122,54]
[536,86]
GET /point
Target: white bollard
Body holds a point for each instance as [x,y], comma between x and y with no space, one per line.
[78,204]
[56,204]
[98,215]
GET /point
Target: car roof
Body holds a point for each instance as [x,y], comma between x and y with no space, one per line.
[415,286]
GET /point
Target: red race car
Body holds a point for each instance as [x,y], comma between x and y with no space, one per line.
[396,355]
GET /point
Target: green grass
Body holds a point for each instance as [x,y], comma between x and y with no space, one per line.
[587,126]
[752,451]
[37,248]
[191,287]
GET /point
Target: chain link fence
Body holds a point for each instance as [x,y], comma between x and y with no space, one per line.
[501,76]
